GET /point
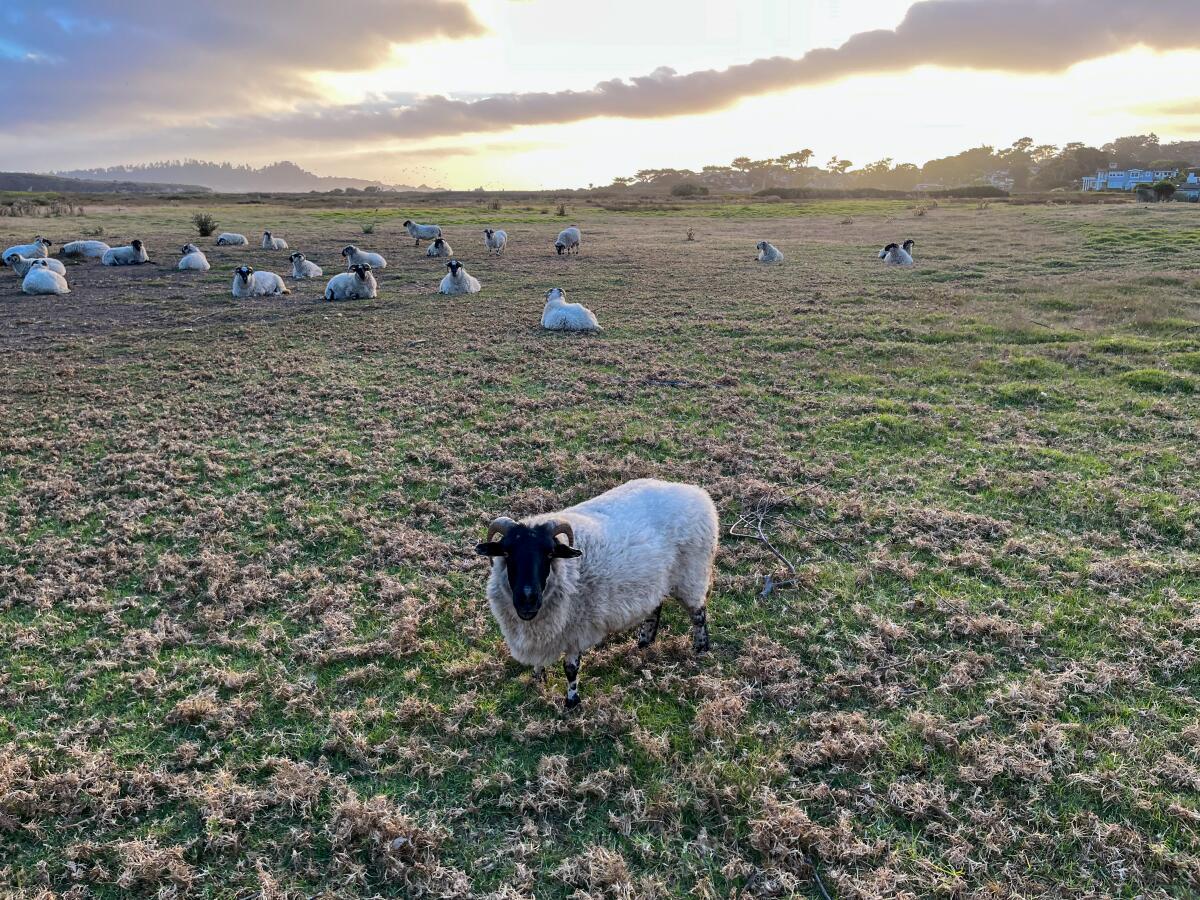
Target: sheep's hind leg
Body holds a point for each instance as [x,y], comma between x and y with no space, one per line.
[649,629]
[700,629]
[571,670]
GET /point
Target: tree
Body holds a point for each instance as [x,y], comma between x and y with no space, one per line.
[838,166]
[1164,190]
[797,160]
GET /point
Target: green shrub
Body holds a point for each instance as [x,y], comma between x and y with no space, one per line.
[1156,381]
[689,189]
[205,223]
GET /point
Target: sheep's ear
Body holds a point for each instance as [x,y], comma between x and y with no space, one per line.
[563,551]
[491,548]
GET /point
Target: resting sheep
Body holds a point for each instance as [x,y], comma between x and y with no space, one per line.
[458,281]
[559,315]
[568,240]
[495,240]
[192,260]
[422,232]
[768,252]
[41,279]
[249,283]
[439,248]
[357,284]
[133,255]
[624,551]
[36,250]
[273,243]
[898,255]
[231,239]
[302,268]
[356,257]
[86,249]
[22,264]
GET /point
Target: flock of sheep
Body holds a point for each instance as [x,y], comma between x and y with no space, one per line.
[560,582]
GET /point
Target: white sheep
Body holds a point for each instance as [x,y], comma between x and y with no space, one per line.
[422,232]
[231,239]
[357,284]
[133,255]
[86,249]
[495,240]
[559,315]
[249,283]
[568,240]
[356,257]
[191,259]
[625,551]
[458,281]
[41,279]
[35,250]
[22,264]
[768,252]
[898,255]
[273,243]
[439,248]
[303,268]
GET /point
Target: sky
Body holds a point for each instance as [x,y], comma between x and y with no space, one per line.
[550,93]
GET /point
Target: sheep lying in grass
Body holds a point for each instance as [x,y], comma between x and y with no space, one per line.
[356,257]
[768,252]
[133,255]
[898,255]
[85,249]
[41,279]
[303,268]
[494,240]
[249,283]
[458,281]
[439,248]
[231,239]
[624,551]
[357,284]
[422,232]
[38,249]
[568,240]
[192,260]
[22,264]
[273,243]
[559,315]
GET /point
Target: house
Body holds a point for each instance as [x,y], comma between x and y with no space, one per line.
[1114,179]
[1189,191]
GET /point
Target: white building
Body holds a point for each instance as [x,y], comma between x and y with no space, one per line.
[1114,179]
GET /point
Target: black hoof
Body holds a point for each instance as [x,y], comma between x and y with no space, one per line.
[643,643]
[572,702]
[701,646]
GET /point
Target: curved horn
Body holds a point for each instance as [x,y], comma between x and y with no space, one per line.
[564,528]
[499,526]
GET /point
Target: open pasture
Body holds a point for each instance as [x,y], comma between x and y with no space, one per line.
[244,648]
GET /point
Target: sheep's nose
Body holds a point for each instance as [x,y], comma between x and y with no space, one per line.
[528,591]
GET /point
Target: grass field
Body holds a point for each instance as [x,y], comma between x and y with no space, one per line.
[244,648]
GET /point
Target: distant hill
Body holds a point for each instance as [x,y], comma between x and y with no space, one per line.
[281,177]
[26,181]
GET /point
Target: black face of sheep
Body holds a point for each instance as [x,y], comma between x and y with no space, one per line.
[295,256]
[529,554]
[346,251]
[135,244]
[908,244]
[890,247]
[454,265]
[560,247]
[244,272]
[361,271]
[407,222]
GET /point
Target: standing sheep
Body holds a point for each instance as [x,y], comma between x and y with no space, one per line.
[358,284]
[768,252]
[22,264]
[494,240]
[192,260]
[35,250]
[624,551]
[559,315]
[273,243]
[133,255]
[86,249]
[439,248]
[422,232]
[231,239]
[41,279]
[249,283]
[303,268]
[458,281]
[356,257]
[568,240]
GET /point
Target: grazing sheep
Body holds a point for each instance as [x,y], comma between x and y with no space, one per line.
[22,264]
[439,248]
[356,257]
[231,239]
[273,243]
[35,250]
[568,240]
[625,551]
[86,249]
[495,241]
[133,255]
[458,281]
[357,284]
[422,232]
[41,279]
[192,260]
[898,255]
[302,268]
[559,315]
[249,283]
[768,252]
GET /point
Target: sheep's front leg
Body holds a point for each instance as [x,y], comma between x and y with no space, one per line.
[571,670]
[539,674]
[649,629]
[700,629]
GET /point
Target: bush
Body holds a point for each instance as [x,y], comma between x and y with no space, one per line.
[368,227]
[1156,381]
[689,189]
[205,224]
[562,210]
[969,192]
